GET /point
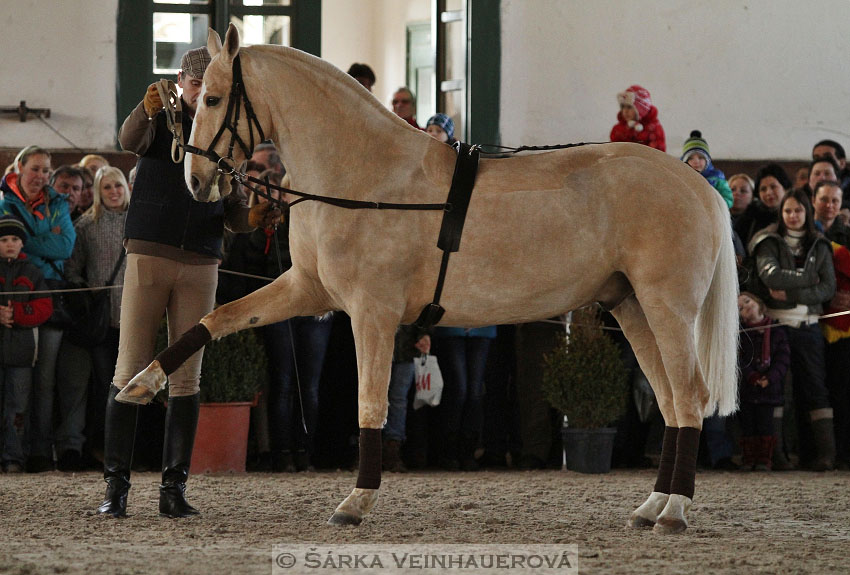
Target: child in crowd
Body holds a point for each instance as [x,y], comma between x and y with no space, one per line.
[441,127]
[19,317]
[695,154]
[637,120]
[763,359]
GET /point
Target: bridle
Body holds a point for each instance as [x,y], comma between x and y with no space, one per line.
[237,98]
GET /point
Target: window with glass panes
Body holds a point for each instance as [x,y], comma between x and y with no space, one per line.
[153,35]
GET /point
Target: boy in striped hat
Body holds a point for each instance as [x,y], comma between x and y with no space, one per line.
[20,315]
[695,154]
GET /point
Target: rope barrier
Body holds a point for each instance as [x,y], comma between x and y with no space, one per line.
[269,279]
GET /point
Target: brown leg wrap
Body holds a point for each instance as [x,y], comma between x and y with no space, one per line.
[174,355]
[687,446]
[369,474]
[668,460]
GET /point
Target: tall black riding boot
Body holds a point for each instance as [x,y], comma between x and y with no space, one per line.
[181,420]
[119,436]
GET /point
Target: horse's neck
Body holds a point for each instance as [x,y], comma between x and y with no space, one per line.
[327,131]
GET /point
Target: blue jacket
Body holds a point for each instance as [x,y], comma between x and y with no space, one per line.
[717,179]
[51,232]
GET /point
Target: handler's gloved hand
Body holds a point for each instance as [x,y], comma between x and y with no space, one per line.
[265,215]
[152,101]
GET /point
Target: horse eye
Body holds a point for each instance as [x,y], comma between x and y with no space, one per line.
[212,101]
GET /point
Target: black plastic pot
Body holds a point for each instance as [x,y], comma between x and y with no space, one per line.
[589,450]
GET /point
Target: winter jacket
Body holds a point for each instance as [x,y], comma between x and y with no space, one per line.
[717,179]
[755,218]
[836,328]
[51,233]
[18,343]
[837,232]
[758,358]
[812,286]
[647,131]
[96,252]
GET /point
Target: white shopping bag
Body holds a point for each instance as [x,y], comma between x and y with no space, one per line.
[429,382]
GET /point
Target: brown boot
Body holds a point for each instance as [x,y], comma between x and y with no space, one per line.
[391,456]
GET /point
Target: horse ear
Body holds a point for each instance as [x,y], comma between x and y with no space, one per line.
[231,43]
[213,43]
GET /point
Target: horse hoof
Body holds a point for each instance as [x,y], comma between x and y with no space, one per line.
[674,517]
[669,526]
[144,386]
[638,522]
[339,518]
[135,394]
[645,515]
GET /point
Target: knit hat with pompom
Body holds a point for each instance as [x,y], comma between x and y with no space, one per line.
[638,98]
[695,144]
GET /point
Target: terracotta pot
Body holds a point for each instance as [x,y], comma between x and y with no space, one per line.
[221,442]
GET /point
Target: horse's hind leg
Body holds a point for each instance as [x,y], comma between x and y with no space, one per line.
[673,327]
[374,335]
[632,320]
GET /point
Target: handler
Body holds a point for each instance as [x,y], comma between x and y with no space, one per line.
[173,248]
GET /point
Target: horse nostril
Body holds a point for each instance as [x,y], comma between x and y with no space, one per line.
[196,184]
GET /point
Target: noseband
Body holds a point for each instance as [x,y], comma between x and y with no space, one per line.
[235,100]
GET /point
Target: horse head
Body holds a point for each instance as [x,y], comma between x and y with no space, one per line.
[223,131]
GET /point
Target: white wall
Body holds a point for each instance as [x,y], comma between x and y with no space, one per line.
[59,55]
[760,78]
[372,32]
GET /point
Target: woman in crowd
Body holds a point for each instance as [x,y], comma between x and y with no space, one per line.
[98,258]
[742,194]
[771,184]
[44,213]
[796,277]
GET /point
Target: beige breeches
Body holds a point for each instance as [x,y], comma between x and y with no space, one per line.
[155,286]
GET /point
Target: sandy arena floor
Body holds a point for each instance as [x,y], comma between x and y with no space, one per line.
[741,523]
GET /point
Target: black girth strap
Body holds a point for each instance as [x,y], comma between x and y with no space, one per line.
[454,217]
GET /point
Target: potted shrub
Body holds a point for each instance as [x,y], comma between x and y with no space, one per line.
[233,372]
[585,379]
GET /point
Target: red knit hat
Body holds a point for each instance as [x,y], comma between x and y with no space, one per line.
[638,97]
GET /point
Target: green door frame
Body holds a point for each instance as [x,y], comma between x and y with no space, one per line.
[134,39]
[485,71]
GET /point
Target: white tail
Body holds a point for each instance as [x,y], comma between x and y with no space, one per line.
[717,332]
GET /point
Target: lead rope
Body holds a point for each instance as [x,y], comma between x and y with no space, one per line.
[173,117]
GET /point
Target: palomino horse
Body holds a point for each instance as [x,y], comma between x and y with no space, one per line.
[621,224]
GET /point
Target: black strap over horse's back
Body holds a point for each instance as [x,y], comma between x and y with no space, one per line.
[454,216]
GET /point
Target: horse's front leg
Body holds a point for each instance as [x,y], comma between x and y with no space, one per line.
[374,333]
[288,296]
